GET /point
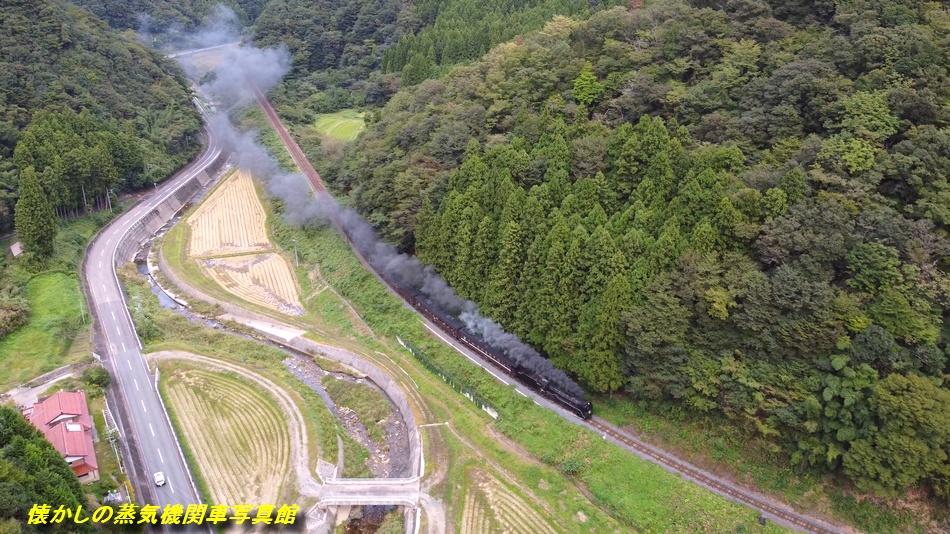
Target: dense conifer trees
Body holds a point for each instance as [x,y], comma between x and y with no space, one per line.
[734,207]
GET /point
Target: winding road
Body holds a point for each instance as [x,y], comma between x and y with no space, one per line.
[147,431]
[145,427]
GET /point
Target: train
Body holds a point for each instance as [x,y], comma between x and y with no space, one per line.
[552,391]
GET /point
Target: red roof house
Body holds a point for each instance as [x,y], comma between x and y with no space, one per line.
[64,419]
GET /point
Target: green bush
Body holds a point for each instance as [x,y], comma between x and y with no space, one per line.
[97,376]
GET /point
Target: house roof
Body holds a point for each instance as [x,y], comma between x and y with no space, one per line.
[62,403]
[83,469]
[71,435]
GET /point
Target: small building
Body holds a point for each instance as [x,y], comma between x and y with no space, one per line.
[64,419]
[16,249]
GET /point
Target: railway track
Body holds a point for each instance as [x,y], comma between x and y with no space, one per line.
[786,516]
[295,152]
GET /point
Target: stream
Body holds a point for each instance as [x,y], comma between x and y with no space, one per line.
[388,459]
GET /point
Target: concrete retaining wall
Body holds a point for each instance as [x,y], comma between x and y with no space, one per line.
[143,230]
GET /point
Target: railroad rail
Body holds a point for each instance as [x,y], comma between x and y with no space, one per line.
[295,152]
[727,490]
[786,516]
[316,183]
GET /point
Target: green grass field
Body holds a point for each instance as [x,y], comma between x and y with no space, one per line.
[344,125]
[51,285]
[43,343]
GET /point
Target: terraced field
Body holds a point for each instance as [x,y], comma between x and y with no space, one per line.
[344,125]
[230,221]
[246,459]
[264,279]
[492,507]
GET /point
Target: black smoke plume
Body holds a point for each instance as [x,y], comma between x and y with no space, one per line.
[264,68]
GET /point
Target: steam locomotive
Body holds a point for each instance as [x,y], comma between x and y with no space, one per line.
[452,326]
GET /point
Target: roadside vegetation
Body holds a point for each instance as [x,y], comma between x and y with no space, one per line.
[163,329]
[50,311]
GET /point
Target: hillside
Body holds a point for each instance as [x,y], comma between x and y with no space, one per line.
[355,53]
[736,208]
[161,15]
[57,59]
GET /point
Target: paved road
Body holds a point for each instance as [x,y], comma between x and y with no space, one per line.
[149,424]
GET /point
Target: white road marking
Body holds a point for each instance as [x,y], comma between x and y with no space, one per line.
[117,331]
[143,406]
[123,345]
[100,264]
[520,393]
[152,429]
[160,457]
[171,487]
[129,363]
[136,385]
[113,315]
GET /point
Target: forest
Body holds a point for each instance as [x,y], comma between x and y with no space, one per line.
[155,16]
[86,107]
[354,53]
[737,207]
[85,115]
[34,472]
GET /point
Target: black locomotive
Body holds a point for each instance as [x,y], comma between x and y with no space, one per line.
[452,326]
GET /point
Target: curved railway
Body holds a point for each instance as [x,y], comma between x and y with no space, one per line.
[786,516]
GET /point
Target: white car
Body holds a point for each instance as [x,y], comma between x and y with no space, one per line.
[159,478]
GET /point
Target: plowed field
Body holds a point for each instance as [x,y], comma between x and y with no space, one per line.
[246,457]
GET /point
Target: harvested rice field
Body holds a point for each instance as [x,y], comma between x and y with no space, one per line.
[491,507]
[228,236]
[246,459]
[264,279]
[230,221]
